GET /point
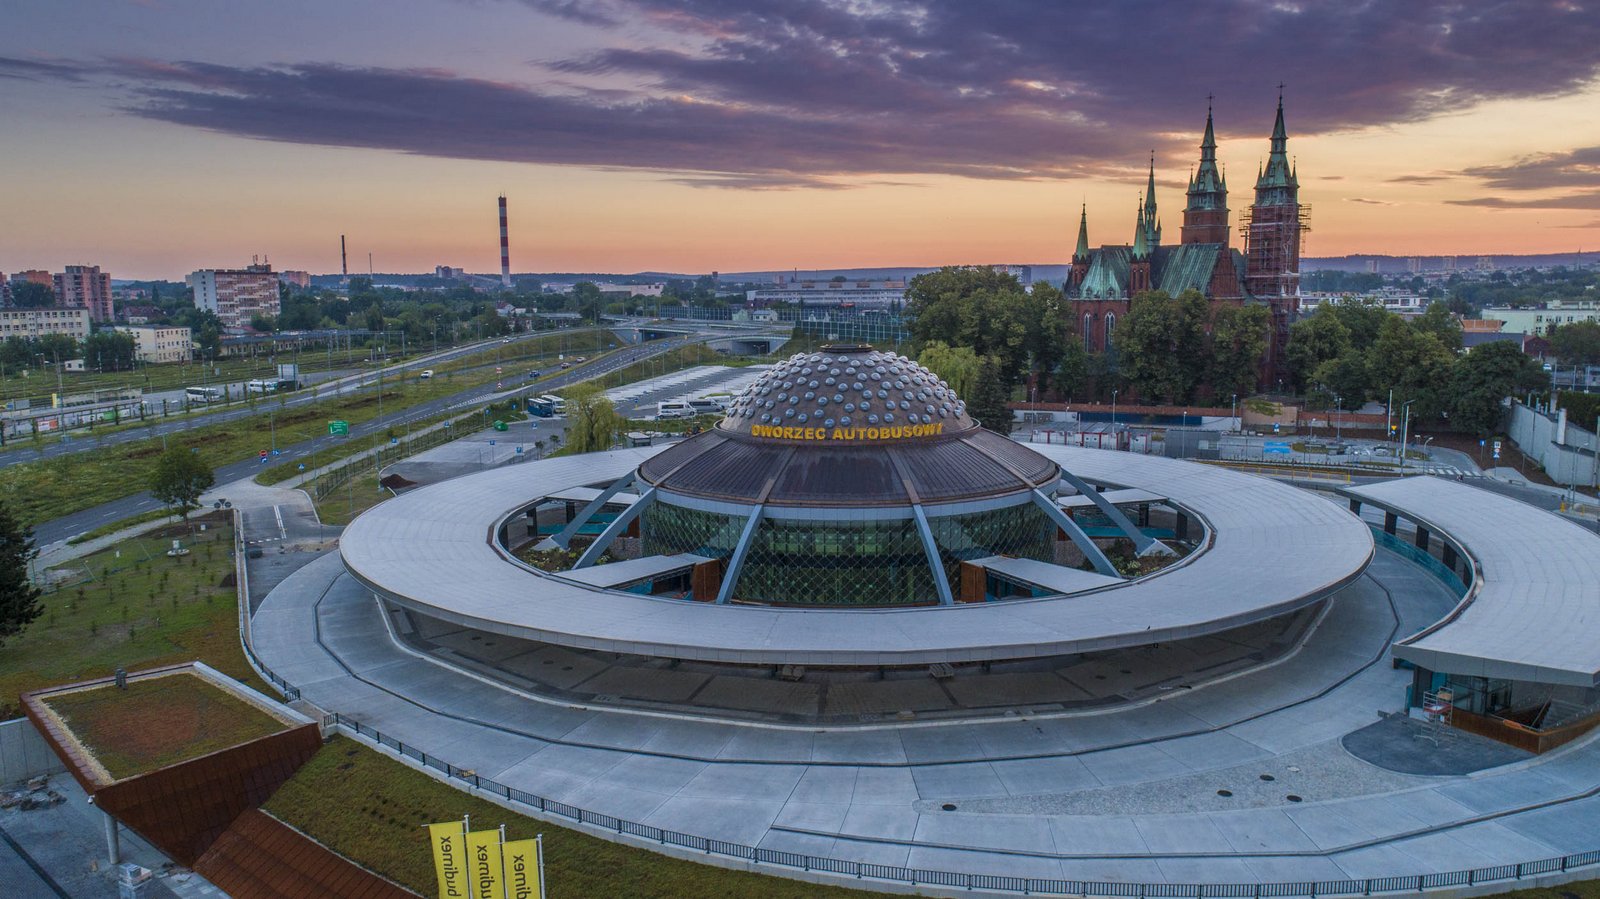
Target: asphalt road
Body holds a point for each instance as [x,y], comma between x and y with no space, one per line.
[88,519]
[18,450]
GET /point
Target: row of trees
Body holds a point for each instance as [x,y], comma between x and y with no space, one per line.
[984,334]
[101,351]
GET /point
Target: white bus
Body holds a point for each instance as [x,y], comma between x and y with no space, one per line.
[558,406]
[203,394]
[669,409]
[706,406]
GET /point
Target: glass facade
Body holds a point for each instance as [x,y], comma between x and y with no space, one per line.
[836,562]
[667,530]
[1023,532]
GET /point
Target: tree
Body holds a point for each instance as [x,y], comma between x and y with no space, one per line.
[1577,343]
[1486,376]
[989,397]
[1414,363]
[179,478]
[110,350]
[1238,341]
[592,422]
[1160,345]
[19,598]
[1438,321]
[1346,377]
[31,295]
[1363,320]
[262,322]
[1072,369]
[1314,340]
[958,366]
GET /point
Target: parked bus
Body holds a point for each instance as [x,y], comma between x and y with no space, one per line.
[539,407]
[669,409]
[203,394]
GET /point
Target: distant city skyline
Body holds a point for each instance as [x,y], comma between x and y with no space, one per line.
[157,137]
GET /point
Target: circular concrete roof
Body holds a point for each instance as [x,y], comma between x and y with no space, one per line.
[1272,549]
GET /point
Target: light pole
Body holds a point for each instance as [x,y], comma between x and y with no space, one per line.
[1114,417]
[1233,417]
[1338,419]
[1405,430]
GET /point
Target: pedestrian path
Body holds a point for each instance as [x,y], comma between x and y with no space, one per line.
[1063,796]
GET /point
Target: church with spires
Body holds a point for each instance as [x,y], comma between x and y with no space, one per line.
[1103,282]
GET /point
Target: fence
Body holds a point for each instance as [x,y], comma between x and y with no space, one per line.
[371,460]
[889,873]
[959,879]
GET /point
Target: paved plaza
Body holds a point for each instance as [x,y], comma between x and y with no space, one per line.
[1130,794]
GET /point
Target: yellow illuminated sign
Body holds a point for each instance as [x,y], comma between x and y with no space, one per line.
[876,432]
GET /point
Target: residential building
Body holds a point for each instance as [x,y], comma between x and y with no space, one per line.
[297,278]
[160,343]
[1538,320]
[236,294]
[86,286]
[70,320]
[857,294]
[37,276]
[448,273]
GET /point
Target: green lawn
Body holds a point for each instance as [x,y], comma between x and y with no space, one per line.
[371,808]
[135,610]
[46,489]
[159,721]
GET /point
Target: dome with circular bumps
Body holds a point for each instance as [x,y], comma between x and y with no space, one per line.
[848,427]
[847,393]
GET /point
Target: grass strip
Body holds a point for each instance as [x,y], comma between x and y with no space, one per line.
[159,721]
[370,809]
[115,526]
[132,606]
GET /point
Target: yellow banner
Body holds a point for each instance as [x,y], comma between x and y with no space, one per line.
[483,854]
[522,869]
[449,859]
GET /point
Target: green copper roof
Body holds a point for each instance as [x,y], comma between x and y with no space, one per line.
[1277,173]
[1152,226]
[1082,252]
[1172,269]
[1207,188]
[1107,277]
[1141,237]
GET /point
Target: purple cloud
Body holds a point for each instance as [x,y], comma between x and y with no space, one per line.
[1570,168]
[771,94]
[1582,200]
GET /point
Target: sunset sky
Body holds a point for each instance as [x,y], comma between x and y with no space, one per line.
[159,136]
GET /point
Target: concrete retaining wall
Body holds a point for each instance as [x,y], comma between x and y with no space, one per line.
[23,753]
[1570,461]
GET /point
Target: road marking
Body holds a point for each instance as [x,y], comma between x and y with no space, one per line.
[278,512]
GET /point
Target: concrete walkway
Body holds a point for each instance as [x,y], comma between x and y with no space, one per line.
[1127,795]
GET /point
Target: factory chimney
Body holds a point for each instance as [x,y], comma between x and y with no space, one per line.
[344,261]
[505,247]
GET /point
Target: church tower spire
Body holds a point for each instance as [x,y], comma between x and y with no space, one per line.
[1152,225]
[1205,217]
[1273,234]
[1082,252]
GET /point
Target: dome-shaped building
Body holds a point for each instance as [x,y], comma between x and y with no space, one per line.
[847,477]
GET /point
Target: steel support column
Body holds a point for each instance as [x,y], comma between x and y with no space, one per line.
[931,548]
[1085,544]
[740,550]
[1143,543]
[564,537]
[616,527]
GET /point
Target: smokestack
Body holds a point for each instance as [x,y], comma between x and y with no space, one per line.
[505,247]
[344,261]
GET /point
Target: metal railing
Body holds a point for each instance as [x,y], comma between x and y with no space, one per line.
[242,583]
[957,879]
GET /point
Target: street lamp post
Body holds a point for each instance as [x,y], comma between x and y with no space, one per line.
[1233,416]
[1405,431]
[1114,417]
[1338,417]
